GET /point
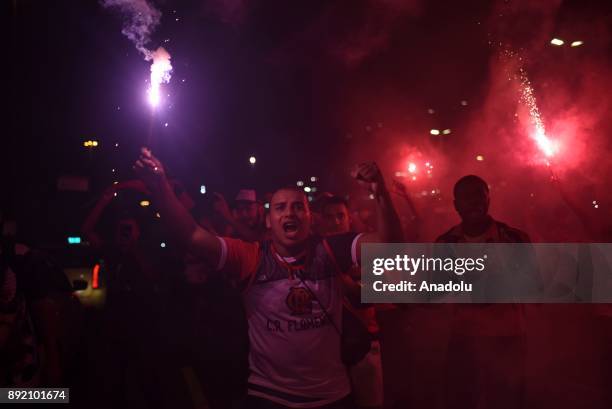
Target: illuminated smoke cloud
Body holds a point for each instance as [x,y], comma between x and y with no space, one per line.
[571,88]
[140,20]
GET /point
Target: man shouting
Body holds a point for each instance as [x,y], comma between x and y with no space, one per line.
[291,288]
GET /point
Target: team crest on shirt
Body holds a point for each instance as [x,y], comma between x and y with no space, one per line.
[299,301]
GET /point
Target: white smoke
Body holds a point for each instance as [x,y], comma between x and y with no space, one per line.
[140,20]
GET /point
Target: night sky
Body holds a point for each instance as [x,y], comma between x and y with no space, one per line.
[306,87]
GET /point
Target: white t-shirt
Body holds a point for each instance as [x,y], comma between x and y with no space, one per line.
[294,353]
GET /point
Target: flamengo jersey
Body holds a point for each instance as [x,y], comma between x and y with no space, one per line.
[294,355]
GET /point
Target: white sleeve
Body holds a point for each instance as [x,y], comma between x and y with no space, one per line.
[223,257]
[354,248]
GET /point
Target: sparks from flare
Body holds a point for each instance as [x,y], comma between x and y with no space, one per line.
[412,168]
[543,142]
[160,74]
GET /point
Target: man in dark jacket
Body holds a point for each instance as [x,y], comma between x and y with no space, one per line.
[486,355]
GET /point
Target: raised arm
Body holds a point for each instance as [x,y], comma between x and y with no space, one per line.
[184,231]
[89,226]
[401,191]
[389,229]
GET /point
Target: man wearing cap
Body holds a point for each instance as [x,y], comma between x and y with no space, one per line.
[245,218]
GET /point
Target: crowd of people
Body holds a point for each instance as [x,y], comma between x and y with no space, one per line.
[256,303]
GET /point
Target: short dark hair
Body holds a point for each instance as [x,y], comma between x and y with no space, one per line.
[334,200]
[470,180]
[291,189]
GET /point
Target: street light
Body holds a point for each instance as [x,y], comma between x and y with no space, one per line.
[557,42]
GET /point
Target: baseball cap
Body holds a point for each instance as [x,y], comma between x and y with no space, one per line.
[246,195]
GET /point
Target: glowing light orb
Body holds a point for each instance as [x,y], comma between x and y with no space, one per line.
[252,160]
[576,43]
[435,132]
[412,167]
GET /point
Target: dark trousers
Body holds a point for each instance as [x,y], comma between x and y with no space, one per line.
[486,372]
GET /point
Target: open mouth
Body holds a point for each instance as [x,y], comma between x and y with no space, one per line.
[290,227]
